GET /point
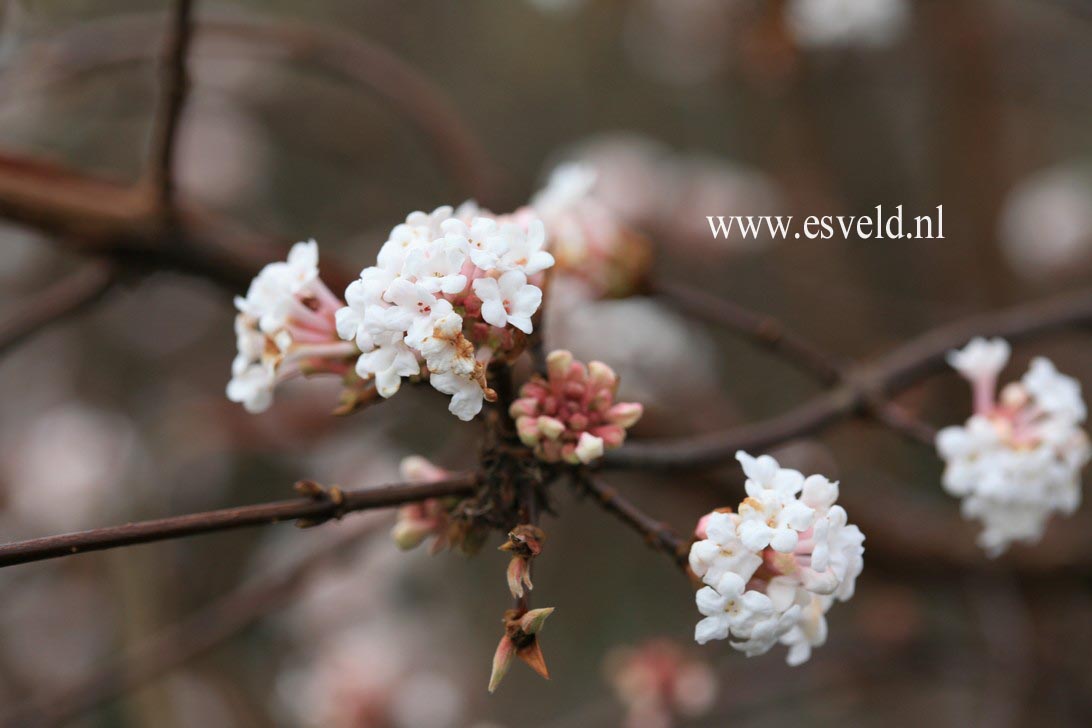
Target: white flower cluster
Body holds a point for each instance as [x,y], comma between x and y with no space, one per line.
[774,568]
[450,289]
[284,327]
[1017,460]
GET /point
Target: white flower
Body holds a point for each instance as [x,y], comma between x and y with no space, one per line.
[388,363]
[271,297]
[1016,461]
[466,394]
[1054,393]
[522,249]
[413,305]
[436,266]
[483,241]
[809,556]
[569,184]
[287,317]
[821,23]
[980,359]
[509,300]
[252,386]
[439,338]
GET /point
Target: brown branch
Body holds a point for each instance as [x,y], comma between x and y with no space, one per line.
[310,510]
[656,534]
[411,95]
[193,636]
[761,329]
[62,299]
[867,387]
[173,93]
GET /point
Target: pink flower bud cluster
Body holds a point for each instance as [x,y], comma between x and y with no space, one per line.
[658,684]
[571,416]
[428,518]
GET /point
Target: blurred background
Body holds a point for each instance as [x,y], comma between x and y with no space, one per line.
[686,108]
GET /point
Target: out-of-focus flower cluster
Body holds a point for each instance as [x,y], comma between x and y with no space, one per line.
[1018,458]
[657,683]
[456,290]
[285,328]
[827,23]
[571,415]
[773,568]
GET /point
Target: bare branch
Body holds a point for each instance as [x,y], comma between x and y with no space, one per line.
[411,95]
[184,641]
[311,510]
[656,534]
[866,385]
[761,329]
[172,101]
[60,300]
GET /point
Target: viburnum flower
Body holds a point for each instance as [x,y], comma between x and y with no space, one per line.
[773,568]
[419,521]
[571,415]
[285,328]
[1017,459]
[658,683]
[451,291]
[590,240]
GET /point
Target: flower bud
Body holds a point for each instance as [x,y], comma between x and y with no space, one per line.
[534,620]
[601,376]
[558,363]
[589,448]
[551,427]
[625,414]
[527,429]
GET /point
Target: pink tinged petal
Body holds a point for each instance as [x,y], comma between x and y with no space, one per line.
[625,414]
[527,429]
[601,376]
[524,407]
[612,435]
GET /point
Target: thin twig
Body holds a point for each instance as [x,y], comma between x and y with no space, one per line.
[866,384]
[655,533]
[761,329]
[62,299]
[311,510]
[172,102]
[182,642]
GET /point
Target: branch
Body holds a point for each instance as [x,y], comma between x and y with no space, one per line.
[173,94]
[761,329]
[656,534]
[867,387]
[310,510]
[411,95]
[193,636]
[62,299]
